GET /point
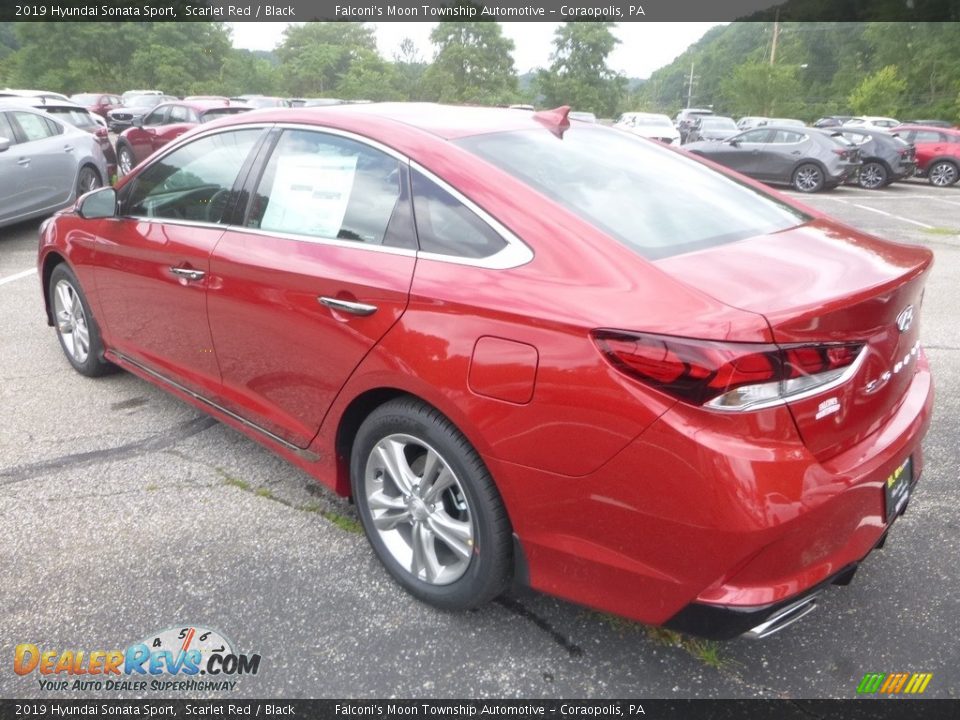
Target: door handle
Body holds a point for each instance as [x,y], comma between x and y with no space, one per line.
[68,148]
[23,162]
[188,273]
[353,308]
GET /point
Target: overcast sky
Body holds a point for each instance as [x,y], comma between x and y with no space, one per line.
[644,46]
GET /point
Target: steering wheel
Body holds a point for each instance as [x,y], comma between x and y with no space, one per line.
[217,205]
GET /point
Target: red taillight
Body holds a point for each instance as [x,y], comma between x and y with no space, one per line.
[707,371]
[101,132]
[842,153]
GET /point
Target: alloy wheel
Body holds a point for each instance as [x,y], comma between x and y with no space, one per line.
[808,179]
[943,174]
[71,321]
[872,176]
[419,509]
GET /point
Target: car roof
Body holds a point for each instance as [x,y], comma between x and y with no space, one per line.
[444,121]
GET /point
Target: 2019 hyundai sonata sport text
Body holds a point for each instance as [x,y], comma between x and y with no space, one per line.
[522,349]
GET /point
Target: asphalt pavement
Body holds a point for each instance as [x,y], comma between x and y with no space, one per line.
[126,512]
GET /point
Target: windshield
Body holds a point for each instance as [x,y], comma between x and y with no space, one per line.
[85,99]
[718,123]
[655,201]
[144,101]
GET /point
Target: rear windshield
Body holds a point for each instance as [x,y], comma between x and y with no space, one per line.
[76,117]
[217,113]
[85,99]
[655,201]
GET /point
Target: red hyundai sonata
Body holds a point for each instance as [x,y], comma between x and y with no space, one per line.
[529,349]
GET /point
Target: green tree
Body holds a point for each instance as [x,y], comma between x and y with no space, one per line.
[579,75]
[409,67]
[77,57]
[763,89]
[473,64]
[315,57]
[370,77]
[245,71]
[879,94]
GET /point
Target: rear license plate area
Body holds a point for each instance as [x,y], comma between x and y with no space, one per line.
[896,489]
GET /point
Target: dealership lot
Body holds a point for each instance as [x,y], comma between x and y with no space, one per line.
[130,512]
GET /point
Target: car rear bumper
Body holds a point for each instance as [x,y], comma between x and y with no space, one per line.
[712,527]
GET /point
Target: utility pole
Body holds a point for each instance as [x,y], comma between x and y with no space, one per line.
[776,34]
[690,83]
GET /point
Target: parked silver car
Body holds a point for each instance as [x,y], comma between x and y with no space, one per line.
[45,164]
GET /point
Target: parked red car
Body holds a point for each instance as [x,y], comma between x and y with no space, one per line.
[938,152]
[164,123]
[524,348]
[99,103]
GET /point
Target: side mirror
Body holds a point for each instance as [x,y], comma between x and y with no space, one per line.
[137,122]
[733,142]
[100,203]
[4,144]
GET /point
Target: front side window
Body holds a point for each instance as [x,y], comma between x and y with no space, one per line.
[754,136]
[6,129]
[156,117]
[786,137]
[326,186]
[652,200]
[194,182]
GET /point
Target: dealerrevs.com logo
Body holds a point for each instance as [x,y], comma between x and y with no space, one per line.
[185,659]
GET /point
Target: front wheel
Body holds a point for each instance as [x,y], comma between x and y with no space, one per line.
[943,174]
[77,330]
[808,178]
[873,175]
[429,507]
[125,159]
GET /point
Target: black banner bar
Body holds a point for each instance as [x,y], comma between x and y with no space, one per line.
[505,11]
[881,709]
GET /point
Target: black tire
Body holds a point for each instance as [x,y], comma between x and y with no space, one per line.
[808,178]
[873,175]
[126,161]
[943,173]
[77,329]
[88,179]
[483,569]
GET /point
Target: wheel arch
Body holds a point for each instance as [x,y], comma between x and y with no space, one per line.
[50,261]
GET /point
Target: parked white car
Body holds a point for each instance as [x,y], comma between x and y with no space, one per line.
[649,125]
[874,122]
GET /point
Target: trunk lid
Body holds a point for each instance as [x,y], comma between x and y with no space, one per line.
[824,283]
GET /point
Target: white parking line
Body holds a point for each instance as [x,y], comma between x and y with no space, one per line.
[891,215]
[18,276]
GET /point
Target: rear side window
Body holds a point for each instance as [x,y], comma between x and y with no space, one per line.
[36,127]
[651,199]
[446,226]
[787,137]
[326,186]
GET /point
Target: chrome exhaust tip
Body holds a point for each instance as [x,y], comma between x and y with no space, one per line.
[784,617]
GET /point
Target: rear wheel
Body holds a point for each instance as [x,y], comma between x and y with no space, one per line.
[429,506]
[88,179]
[77,330]
[873,175]
[943,173]
[808,178]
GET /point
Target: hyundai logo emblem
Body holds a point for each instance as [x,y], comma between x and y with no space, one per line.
[905,319]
